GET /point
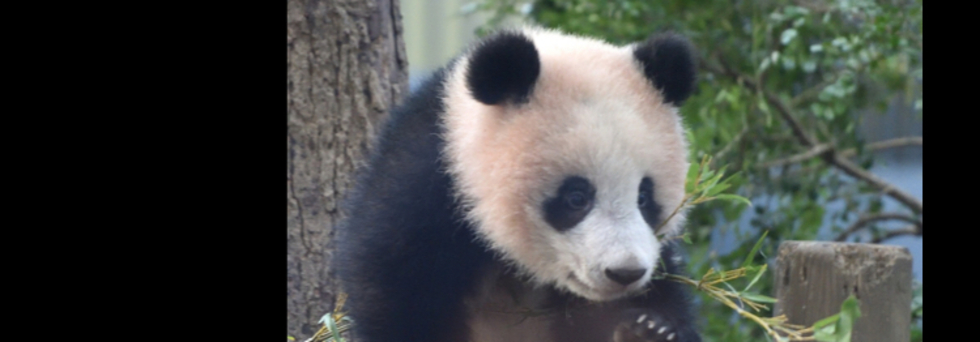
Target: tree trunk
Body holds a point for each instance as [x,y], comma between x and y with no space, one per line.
[346,66]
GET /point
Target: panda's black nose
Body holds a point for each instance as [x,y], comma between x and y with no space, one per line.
[625,276]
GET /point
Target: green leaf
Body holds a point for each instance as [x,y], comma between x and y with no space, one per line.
[710,182]
[795,11]
[789,63]
[764,107]
[328,320]
[850,311]
[686,239]
[731,177]
[824,329]
[826,321]
[705,178]
[734,198]
[787,36]
[755,249]
[809,66]
[758,298]
[763,66]
[717,188]
[757,275]
[916,300]
[838,328]
[692,173]
[722,95]
[839,42]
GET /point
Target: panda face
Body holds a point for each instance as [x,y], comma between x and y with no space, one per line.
[608,252]
[589,200]
[568,178]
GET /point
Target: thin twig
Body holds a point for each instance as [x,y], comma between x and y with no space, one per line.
[908,230]
[884,144]
[728,147]
[813,152]
[820,149]
[855,171]
[866,219]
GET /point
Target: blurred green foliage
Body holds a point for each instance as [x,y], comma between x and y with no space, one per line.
[827,62]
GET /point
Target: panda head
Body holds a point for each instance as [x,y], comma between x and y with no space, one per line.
[568,153]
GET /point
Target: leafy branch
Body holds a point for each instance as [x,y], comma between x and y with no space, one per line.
[702,185]
[829,155]
[836,328]
[705,185]
[334,323]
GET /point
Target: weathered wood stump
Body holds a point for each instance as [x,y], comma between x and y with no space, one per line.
[813,278]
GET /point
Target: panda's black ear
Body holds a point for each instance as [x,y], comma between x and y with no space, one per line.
[503,67]
[668,61]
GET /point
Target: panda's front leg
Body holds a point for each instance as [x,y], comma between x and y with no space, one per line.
[664,313]
[646,325]
[623,325]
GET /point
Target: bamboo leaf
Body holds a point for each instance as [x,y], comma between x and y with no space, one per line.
[692,173]
[849,313]
[711,180]
[734,198]
[328,319]
[755,249]
[757,276]
[755,297]
[717,189]
[826,321]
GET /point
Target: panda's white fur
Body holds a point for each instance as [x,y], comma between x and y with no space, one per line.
[450,234]
[593,114]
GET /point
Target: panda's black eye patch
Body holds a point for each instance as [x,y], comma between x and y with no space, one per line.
[571,204]
[648,207]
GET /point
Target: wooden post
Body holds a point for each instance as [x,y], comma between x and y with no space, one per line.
[813,278]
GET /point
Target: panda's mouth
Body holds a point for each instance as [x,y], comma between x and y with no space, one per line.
[583,289]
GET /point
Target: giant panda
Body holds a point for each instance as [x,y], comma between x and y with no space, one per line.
[516,196]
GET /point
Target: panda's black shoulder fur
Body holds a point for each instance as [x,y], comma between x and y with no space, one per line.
[404,255]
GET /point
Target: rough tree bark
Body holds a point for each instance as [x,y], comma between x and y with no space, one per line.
[346,66]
